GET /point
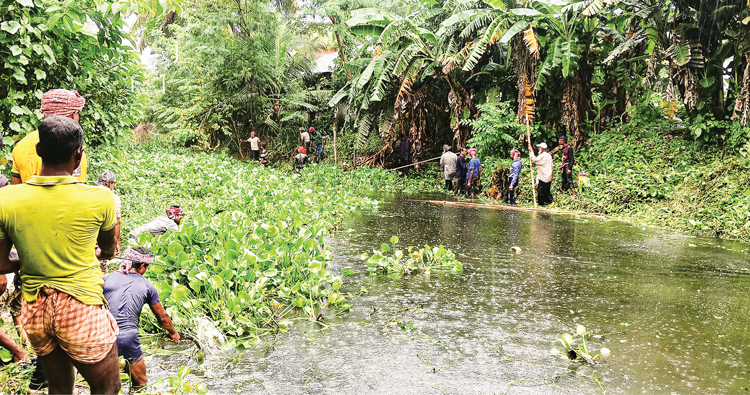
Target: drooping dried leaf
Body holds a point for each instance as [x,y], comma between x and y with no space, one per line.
[532,43]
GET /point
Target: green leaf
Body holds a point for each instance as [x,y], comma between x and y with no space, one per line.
[19,76]
[15,127]
[513,30]
[17,110]
[216,281]
[394,240]
[707,81]
[10,26]
[40,74]
[8,141]
[384,248]
[15,50]
[746,21]
[52,22]
[26,3]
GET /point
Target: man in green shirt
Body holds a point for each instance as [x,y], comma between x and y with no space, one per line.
[318,139]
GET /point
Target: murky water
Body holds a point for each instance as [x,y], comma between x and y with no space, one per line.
[673,308]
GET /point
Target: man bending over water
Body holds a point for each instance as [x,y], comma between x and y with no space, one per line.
[127,291]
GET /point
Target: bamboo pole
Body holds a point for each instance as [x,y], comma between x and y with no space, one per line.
[412,164]
[503,207]
[335,153]
[531,164]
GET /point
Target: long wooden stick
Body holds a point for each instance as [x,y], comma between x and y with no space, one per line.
[412,164]
[503,207]
[531,164]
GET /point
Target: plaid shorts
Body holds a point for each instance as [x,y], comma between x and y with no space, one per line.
[85,332]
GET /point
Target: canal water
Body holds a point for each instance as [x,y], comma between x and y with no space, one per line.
[672,309]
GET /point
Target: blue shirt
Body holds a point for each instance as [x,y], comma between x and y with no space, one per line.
[126,294]
[476,165]
[515,171]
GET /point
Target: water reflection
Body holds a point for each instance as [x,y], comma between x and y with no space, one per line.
[673,308]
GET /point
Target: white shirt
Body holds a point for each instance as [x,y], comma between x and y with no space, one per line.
[305,137]
[158,226]
[544,166]
[254,141]
[448,162]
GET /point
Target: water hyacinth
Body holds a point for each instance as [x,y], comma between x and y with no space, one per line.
[425,259]
[251,243]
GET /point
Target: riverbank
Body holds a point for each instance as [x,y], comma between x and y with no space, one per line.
[648,174]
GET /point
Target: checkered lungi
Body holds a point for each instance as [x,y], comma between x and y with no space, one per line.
[85,332]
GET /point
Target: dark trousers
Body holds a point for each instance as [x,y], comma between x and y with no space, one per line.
[567,181]
[459,185]
[544,194]
[449,184]
[256,154]
[510,194]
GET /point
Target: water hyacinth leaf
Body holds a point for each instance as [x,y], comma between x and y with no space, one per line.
[580,329]
[565,340]
[270,273]
[216,282]
[394,239]
[384,248]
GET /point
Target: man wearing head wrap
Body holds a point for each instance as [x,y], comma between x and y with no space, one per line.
[160,225]
[108,180]
[318,138]
[473,175]
[448,163]
[127,291]
[301,159]
[26,162]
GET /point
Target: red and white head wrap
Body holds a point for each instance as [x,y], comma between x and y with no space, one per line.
[61,102]
[312,129]
[174,211]
[139,254]
[302,150]
[472,151]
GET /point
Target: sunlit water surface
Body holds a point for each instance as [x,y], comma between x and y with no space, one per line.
[673,309]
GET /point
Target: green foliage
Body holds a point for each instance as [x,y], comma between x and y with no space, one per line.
[80,45]
[390,260]
[580,351]
[251,244]
[496,130]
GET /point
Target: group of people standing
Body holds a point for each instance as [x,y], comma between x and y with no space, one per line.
[467,176]
[74,318]
[307,138]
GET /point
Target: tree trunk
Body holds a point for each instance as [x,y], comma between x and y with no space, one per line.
[342,54]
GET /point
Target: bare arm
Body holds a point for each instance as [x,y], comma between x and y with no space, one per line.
[164,321]
[19,354]
[7,264]
[15,180]
[107,244]
[117,237]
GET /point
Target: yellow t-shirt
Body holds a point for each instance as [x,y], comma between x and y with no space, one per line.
[26,162]
[54,223]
